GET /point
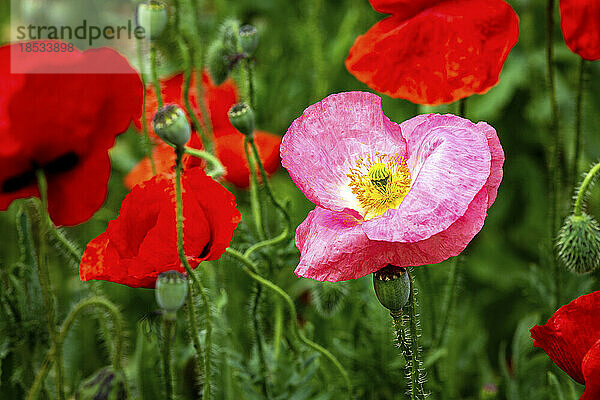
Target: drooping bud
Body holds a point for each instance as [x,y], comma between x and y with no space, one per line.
[579,243]
[392,287]
[248,36]
[105,384]
[171,292]
[329,298]
[242,118]
[217,61]
[171,125]
[152,16]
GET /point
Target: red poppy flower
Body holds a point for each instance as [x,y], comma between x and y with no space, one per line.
[229,143]
[63,124]
[580,24]
[142,242]
[571,337]
[435,51]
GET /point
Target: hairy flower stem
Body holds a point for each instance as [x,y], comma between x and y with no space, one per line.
[44,277]
[577,210]
[449,297]
[154,74]
[168,330]
[82,306]
[554,153]
[193,325]
[250,84]
[206,393]
[278,329]
[578,112]
[147,141]
[254,200]
[251,269]
[216,169]
[264,372]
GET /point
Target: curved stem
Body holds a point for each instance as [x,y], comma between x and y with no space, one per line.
[168,326]
[64,330]
[155,75]
[448,303]
[264,373]
[268,242]
[583,189]
[250,268]
[578,108]
[216,168]
[278,329]
[44,277]
[147,141]
[195,280]
[254,201]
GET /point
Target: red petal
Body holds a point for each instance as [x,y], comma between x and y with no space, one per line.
[580,24]
[230,150]
[444,53]
[570,333]
[142,242]
[591,373]
[402,8]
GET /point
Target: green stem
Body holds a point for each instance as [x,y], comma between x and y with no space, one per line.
[195,280]
[147,141]
[416,377]
[168,326]
[193,332]
[406,350]
[462,107]
[44,277]
[264,373]
[254,200]
[216,168]
[578,112]
[67,247]
[64,330]
[268,242]
[251,269]
[250,83]
[278,329]
[448,303]
[584,188]
[154,73]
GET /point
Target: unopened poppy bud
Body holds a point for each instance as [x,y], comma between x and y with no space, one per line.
[217,61]
[171,292]
[248,36]
[242,118]
[579,243]
[171,125]
[152,16]
[392,287]
[105,384]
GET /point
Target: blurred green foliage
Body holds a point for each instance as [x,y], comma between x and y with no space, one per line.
[504,282]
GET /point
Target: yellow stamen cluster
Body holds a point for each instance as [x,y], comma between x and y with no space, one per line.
[379,182]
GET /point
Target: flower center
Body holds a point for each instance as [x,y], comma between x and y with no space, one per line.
[379,182]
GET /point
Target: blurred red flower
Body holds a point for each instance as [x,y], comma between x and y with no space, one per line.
[435,51]
[580,24]
[571,338]
[229,143]
[64,124]
[142,242]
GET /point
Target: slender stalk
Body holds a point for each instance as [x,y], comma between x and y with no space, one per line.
[168,326]
[416,377]
[206,394]
[147,141]
[250,84]
[440,335]
[69,248]
[278,329]
[577,210]
[254,200]
[193,332]
[264,373]
[154,73]
[578,112]
[268,242]
[251,269]
[44,277]
[406,350]
[64,330]
[216,168]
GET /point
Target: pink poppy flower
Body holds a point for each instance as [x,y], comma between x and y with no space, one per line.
[407,195]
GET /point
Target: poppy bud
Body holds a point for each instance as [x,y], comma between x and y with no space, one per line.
[171,291]
[105,384]
[579,244]
[152,16]
[392,287]
[171,125]
[242,118]
[217,61]
[248,36]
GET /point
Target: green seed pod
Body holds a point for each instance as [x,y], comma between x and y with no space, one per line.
[152,16]
[248,37]
[171,292]
[392,287]
[217,61]
[242,118]
[171,125]
[105,384]
[579,244]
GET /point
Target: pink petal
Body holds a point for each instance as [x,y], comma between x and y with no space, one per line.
[449,161]
[334,247]
[320,146]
